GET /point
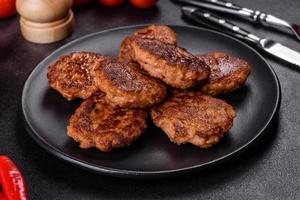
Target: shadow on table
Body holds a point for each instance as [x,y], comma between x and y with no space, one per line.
[87,183]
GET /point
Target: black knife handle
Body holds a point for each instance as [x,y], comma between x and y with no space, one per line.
[222,25]
[221,6]
[228,8]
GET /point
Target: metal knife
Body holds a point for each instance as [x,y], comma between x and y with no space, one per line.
[245,13]
[213,21]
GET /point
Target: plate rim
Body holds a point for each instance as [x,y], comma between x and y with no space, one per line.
[138,173]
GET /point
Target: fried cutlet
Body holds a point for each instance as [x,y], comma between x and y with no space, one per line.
[155,49]
[228,73]
[174,65]
[126,85]
[71,75]
[126,52]
[192,117]
[157,32]
[96,124]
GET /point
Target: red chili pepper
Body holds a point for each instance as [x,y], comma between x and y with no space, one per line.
[12,181]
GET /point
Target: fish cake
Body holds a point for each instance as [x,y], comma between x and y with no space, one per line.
[170,63]
[192,117]
[126,85]
[71,75]
[97,124]
[228,73]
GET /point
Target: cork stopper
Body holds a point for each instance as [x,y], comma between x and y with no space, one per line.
[45,21]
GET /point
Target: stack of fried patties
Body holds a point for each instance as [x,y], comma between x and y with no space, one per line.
[151,75]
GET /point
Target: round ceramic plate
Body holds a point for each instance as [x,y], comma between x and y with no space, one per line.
[46,112]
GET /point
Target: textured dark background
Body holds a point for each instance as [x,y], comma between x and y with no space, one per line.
[268,170]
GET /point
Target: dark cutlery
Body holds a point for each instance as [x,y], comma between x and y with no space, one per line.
[274,48]
[245,13]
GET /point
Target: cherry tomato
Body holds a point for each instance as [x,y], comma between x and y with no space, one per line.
[81,2]
[7,8]
[111,3]
[143,3]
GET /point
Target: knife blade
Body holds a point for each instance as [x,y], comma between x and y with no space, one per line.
[267,45]
[280,51]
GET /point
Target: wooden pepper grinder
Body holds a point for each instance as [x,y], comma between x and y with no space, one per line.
[45,21]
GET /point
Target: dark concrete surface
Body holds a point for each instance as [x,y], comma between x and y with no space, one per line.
[270,169]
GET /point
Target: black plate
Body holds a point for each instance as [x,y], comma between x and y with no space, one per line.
[46,112]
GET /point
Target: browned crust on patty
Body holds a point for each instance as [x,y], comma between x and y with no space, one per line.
[189,117]
[158,32]
[172,64]
[96,124]
[228,73]
[155,32]
[126,52]
[71,74]
[126,85]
